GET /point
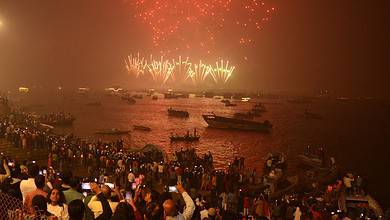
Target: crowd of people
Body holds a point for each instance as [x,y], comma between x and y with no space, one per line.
[102,180]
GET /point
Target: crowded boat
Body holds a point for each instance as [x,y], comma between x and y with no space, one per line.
[187,137]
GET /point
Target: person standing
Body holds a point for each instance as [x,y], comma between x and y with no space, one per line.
[170,212]
[56,204]
[39,183]
[76,210]
[28,185]
[101,204]
[72,193]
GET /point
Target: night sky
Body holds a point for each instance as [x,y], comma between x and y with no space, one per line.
[342,46]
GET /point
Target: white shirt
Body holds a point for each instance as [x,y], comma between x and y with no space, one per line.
[97,208]
[27,186]
[204,214]
[60,211]
[187,212]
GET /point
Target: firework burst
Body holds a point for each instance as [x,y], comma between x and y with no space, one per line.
[222,72]
[178,71]
[182,69]
[199,73]
[136,65]
[160,70]
[202,25]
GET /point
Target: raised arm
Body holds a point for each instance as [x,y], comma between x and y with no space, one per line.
[190,206]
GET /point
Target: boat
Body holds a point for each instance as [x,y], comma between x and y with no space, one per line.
[137,96]
[322,176]
[131,101]
[284,186]
[220,122]
[313,159]
[64,122]
[94,104]
[258,109]
[300,100]
[141,128]
[310,160]
[189,138]
[277,189]
[113,131]
[67,121]
[46,126]
[276,160]
[178,113]
[363,204]
[243,115]
[310,115]
[170,95]
[230,104]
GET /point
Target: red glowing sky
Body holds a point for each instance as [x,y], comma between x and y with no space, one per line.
[305,45]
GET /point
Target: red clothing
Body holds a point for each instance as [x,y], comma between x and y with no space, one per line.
[267,211]
[246,203]
[316,215]
[30,196]
[49,161]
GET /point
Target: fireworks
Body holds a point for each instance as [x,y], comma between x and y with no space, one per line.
[202,25]
[135,65]
[222,72]
[182,69]
[179,70]
[161,70]
[199,73]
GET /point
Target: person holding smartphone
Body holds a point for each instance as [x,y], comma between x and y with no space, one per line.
[169,206]
[101,204]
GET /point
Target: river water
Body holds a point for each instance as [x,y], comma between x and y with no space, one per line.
[356,133]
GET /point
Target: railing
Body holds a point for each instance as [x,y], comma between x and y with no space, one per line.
[12,208]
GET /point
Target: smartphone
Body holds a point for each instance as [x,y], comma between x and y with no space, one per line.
[128,196]
[111,185]
[33,161]
[44,172]
[40,172]
[172,189]
[11,164]
[85,186]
